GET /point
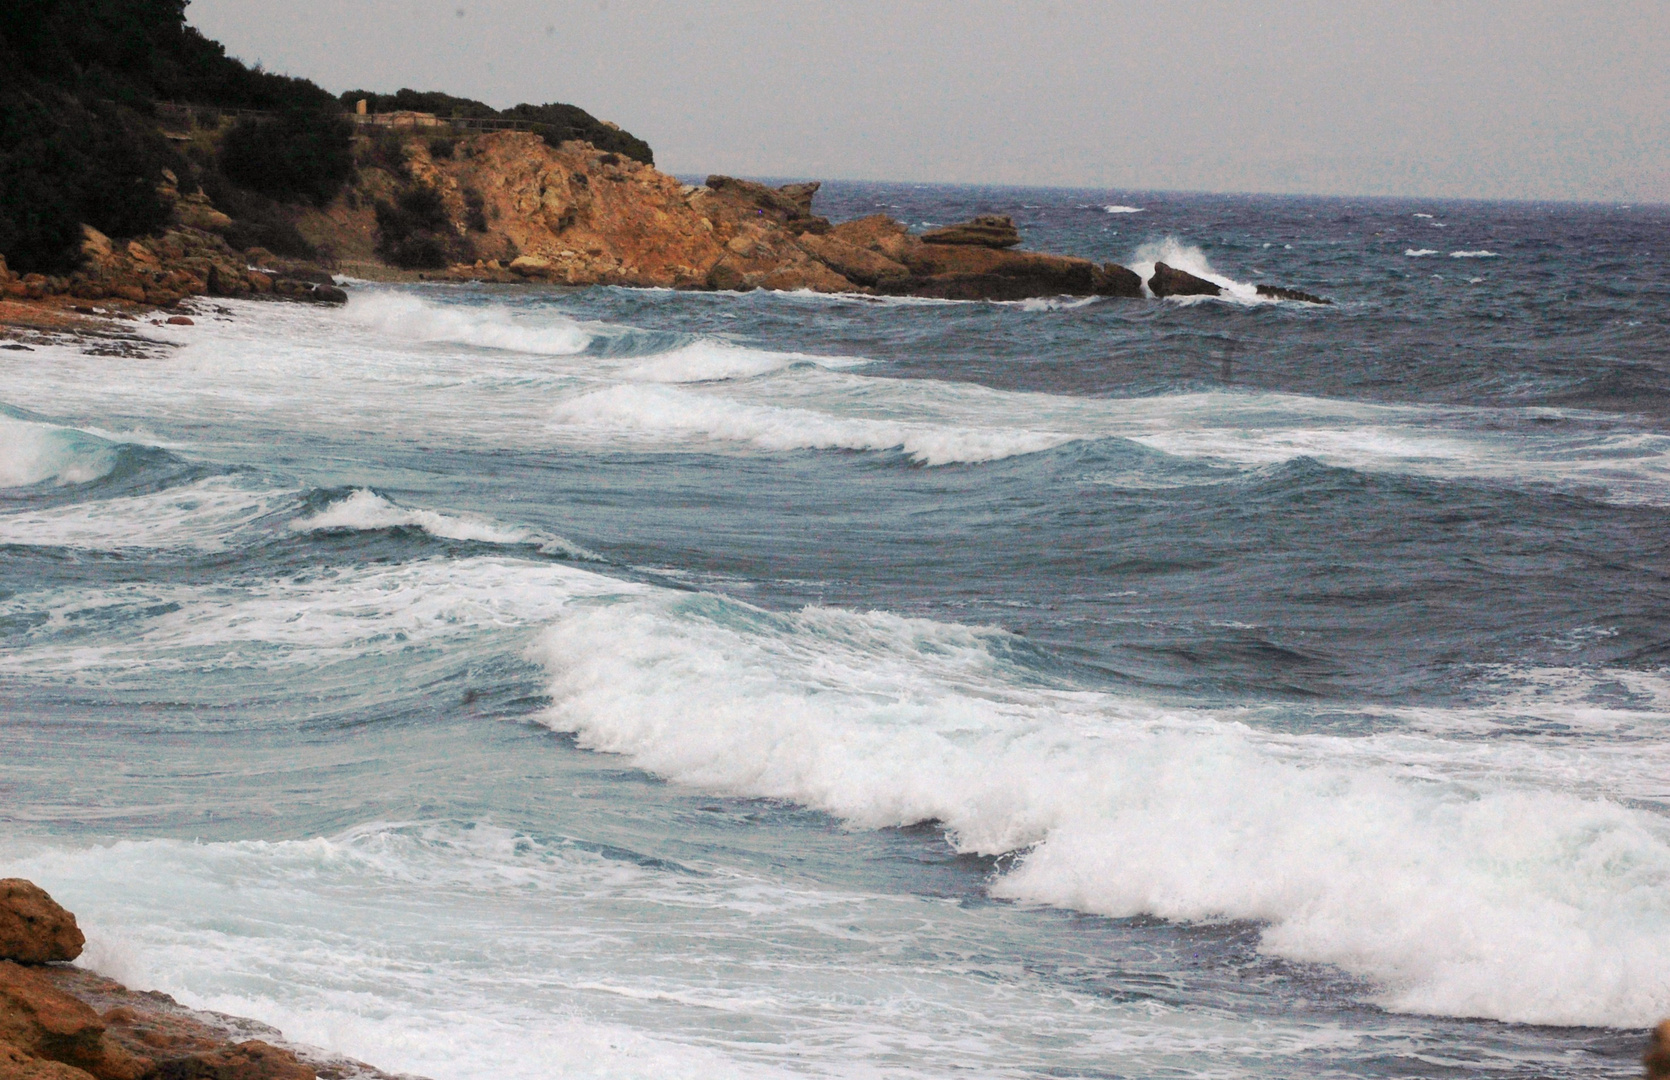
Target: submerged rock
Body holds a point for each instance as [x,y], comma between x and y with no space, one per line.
[987,230]
[1277,292]
[34,929]
[1170,281]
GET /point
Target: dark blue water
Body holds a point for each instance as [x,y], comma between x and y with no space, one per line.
[604,682]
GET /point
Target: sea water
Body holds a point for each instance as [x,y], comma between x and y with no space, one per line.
[527,682]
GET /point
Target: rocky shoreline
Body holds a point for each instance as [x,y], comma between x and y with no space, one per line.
[507,207]
[59,1022]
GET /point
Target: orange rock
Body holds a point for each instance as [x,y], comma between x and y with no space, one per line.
[34,929]
[40,1019]
[180,320]
[17,1065]
[859,264]
[1657,1057]
[879,233]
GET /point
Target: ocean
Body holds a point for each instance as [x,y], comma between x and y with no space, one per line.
[498,682]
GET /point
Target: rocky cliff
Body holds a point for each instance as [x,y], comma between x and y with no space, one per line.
[506,206]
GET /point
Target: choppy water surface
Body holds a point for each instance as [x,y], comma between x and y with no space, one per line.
[521,683]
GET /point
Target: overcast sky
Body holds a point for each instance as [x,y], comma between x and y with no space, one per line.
[1529,100]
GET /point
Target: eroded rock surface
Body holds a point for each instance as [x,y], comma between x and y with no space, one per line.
[987,230]
[34,929]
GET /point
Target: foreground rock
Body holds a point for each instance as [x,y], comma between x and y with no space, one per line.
[33,928]
[65,1023]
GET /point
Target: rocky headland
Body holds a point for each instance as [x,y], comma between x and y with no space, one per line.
[506,206]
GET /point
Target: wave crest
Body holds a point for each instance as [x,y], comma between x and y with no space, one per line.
[1456,890]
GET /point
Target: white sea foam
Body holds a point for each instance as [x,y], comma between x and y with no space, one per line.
[1419,253]
[35,453]
[557,962]
[367,510]
[1455,887]
[415,319]
[1116,209]
[1175,253]
[659,413]
[710,361]
[1474,255]
[206,515]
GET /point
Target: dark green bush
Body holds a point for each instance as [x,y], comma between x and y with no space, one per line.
[257,221]
[300,156]
[415,233]
[61,164]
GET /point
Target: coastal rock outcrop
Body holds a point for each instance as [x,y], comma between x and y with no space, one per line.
[1170,281]
[34,929]
[986,230]
[862,265]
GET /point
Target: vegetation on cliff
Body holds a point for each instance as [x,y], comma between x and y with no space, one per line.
[82,137]
[79,140]
[555,122]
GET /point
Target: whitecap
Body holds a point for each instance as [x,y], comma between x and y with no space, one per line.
[366,510]
[1419,253]
[659,413]
[1473,255]
[1471,883]
[1123,209]
[417,319]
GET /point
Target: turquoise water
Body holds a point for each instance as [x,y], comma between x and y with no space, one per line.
[516,682]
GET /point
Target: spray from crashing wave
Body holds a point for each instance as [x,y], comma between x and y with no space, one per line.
[1175,253]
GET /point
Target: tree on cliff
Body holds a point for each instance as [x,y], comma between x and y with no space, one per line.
[78,139]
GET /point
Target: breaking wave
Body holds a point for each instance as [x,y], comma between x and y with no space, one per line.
[1174,253]
[664,413]
[367,510]
[415,319]
[1454,889]
[36,453]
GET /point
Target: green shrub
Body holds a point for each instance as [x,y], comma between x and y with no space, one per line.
[61,164]
[415,232]
[300,156]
